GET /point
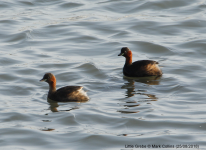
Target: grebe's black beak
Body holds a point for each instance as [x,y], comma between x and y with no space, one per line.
[42,80]
[121,54]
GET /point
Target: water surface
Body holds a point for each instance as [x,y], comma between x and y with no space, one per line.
[79,42]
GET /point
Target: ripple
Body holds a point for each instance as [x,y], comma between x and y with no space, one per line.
[16,38]
[71,5]
[78,42]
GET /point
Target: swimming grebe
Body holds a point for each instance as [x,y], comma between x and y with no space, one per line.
[64,94]
[141,68]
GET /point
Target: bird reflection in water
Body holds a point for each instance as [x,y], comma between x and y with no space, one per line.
[47,129]
[54,105]
[131,87]
[130,91]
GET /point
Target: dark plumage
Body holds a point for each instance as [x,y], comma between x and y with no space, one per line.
[141,68]
[64,94]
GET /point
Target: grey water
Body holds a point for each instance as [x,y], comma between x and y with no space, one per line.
[78,41]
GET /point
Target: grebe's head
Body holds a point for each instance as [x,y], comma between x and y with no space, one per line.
[125,51]
[49,78]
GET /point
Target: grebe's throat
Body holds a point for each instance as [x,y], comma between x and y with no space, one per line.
[129,58]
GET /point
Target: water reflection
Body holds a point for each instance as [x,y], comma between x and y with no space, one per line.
[153,80]
[129,85]
[127,111]
[47,129]
[54,105]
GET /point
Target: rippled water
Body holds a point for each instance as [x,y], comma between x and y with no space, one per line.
[79,42]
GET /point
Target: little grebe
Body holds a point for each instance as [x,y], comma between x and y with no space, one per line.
[64,94]
[141,68]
